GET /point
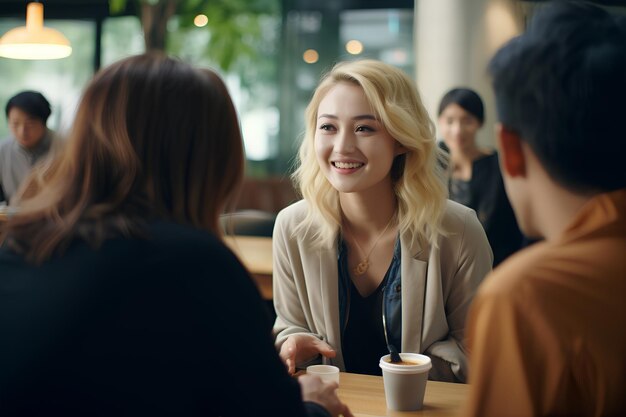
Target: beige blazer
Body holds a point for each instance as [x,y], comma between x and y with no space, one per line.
[438,284]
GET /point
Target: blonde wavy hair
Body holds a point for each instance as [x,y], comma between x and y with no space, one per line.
[417,176]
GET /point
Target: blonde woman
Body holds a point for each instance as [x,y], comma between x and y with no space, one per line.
[374,255]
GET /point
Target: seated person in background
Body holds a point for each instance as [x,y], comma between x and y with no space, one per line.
[475,179]
[118,296]
[27,114]
[374,255]
[547,330]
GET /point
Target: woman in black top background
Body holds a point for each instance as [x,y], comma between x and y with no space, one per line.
[475,180]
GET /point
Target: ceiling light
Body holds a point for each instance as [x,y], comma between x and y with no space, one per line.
[34,41]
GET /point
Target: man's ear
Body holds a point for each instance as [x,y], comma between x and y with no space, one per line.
[512,156]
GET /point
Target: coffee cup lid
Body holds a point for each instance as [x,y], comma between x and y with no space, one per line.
[423,363]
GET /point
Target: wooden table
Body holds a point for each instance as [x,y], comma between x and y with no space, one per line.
[365,395]
[256,255]
[4,213]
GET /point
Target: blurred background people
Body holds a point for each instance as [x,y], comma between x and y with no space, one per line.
[547,329]
[118,295]
[474,173]
[27,113]
[374,255]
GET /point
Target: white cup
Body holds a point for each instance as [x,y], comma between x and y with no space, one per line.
[405,384]
[327,373]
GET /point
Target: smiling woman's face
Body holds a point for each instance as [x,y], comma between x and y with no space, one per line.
[354,150]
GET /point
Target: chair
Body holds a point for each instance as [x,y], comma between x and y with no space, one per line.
[266,194]
[248,223]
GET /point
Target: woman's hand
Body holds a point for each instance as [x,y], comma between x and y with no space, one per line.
[324,394]
[302,347]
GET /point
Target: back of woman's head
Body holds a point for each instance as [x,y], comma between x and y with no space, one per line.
[467,99]
[153,138]
[416,177]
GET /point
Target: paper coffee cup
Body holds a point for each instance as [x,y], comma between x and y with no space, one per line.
[405,383]
[327,373]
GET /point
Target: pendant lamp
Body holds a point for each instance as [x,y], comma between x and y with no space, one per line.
[34,41]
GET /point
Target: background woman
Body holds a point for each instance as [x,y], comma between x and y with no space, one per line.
[113,274]
[374,254]
[475,179]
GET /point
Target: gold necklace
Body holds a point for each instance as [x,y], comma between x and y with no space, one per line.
[364,265]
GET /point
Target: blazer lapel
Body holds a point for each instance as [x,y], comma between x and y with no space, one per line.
[414,260]
[329,292]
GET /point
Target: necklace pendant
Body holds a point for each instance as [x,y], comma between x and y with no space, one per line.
[361,268]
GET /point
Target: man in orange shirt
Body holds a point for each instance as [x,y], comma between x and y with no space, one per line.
[547,329]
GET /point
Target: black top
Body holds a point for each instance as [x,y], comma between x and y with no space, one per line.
[364,337]
[485,193]
[168,325]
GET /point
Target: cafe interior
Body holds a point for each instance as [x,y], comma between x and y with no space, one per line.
[271,58]
[277,59]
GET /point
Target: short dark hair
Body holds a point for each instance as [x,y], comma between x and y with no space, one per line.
[561,86]
[31,102]
[468,99]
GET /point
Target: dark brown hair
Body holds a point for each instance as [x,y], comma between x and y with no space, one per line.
[467,99]
[153,138]
[32,103]
[561,87]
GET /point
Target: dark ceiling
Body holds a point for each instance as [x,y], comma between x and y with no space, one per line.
[99,9]
[60,9]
